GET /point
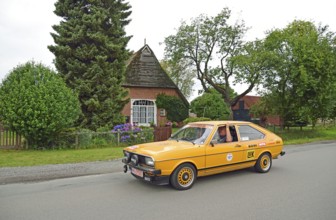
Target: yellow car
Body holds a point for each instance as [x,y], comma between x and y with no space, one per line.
[202,149]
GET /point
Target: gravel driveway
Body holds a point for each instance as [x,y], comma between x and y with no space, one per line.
[49,172]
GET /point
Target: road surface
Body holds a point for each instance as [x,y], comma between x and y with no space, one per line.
[300,185]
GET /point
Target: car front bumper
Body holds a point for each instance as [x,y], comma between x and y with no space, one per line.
[146,174]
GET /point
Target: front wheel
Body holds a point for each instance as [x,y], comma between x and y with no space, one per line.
[264,163]
[183,177]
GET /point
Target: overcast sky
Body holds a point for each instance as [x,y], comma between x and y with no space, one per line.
[25,26]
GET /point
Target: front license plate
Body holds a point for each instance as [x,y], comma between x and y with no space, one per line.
[137,172]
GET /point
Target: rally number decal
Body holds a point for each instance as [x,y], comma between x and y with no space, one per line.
[250,154]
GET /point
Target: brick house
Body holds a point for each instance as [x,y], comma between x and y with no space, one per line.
[241,112]
[144,80]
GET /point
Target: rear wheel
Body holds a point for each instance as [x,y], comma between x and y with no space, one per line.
[183,177]
[264,163]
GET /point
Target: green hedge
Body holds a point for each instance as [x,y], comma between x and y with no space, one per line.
[176,109]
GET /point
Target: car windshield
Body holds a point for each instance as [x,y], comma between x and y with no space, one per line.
[197,134]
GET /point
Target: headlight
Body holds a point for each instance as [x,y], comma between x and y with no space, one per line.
[149,161]
[127,156]
[135,159]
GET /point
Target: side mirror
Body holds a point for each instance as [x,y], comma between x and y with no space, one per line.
[213,142]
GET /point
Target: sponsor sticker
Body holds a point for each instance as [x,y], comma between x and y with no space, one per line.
[229,157]
[262,144]
[250,154]
[133,147]
[245,138]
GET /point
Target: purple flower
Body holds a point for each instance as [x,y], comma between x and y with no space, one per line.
[137,129]
[125,130]
[125,138]
[169,123]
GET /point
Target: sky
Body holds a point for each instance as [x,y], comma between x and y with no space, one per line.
[25,26]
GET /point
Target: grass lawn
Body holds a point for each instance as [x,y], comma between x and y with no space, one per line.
[307,135]
[14,158]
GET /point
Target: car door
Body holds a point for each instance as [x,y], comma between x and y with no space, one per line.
[220,156]
[251,141]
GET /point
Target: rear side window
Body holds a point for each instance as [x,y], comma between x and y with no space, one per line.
[248,133]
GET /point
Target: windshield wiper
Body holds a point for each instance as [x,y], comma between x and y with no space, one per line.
[174,139]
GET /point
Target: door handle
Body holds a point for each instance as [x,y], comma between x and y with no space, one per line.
[238,145]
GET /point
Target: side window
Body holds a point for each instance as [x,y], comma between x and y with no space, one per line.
[248,133]
[217,139]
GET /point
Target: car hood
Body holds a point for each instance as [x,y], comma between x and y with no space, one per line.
[162,150]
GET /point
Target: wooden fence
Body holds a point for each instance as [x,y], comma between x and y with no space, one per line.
[162,133]
[9,139]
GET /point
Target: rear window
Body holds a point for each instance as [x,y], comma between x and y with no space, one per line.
[248,133]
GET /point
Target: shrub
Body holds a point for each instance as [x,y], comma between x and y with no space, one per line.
[36,103]
[176,109]
[210,105]
[128,133]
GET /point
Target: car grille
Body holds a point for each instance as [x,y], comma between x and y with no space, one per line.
[136,159]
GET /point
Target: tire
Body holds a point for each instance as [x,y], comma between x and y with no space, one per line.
[264,163]
[183,177]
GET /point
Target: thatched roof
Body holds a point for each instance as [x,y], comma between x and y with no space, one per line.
[144,70]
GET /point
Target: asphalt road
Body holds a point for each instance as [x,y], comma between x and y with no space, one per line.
[300,185]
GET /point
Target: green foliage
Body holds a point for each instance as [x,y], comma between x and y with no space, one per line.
[298,135]
[87,139]
[181,73]
[176,109]
[189,120]
[210,105]
[302,71]
[207,40]
[90,51]
[36,103]
[332,113]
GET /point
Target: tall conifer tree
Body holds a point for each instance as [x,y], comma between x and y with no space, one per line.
[90,50]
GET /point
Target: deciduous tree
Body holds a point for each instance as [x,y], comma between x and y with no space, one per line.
[211,105]
[302,71]
[181,73]
[210,45]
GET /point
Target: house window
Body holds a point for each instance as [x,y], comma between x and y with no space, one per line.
[143,112]
[162,112]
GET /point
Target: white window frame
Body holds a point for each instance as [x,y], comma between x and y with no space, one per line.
[147,107]
[163,112]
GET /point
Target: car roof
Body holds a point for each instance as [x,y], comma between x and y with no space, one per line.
[221,122]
